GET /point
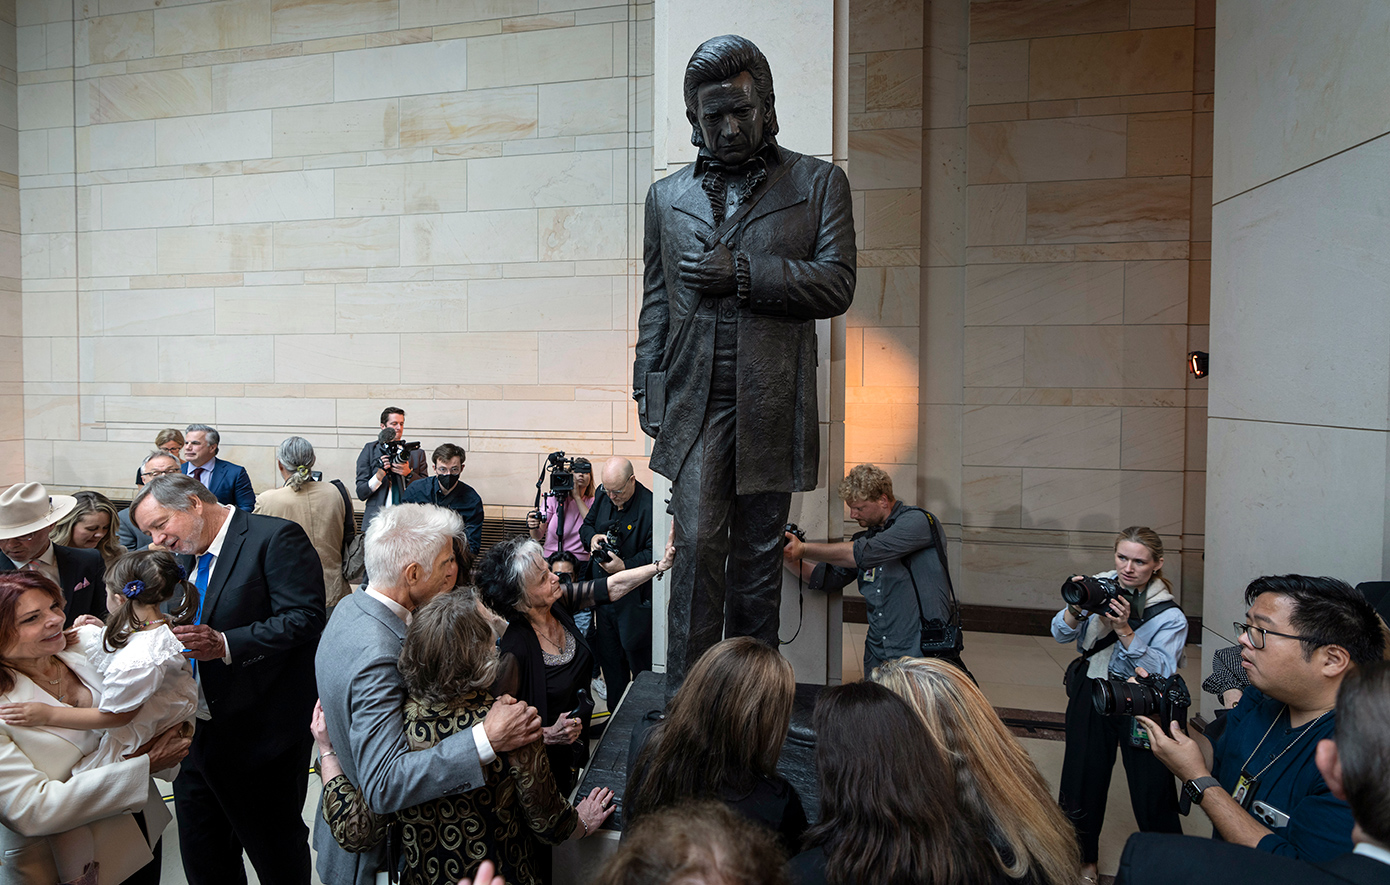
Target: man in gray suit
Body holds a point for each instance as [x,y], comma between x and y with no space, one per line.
[410,556]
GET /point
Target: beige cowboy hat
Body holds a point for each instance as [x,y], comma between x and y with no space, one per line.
[27,507]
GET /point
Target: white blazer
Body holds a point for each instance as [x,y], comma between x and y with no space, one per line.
[40,796]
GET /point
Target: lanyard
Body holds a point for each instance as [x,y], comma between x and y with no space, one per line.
[1306,728]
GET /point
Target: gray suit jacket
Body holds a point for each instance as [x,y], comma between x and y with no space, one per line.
[131,538]
[363,700]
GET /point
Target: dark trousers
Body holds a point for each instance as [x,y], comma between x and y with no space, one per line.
[622,643]
[725,539]
[226,804]
[1086,767]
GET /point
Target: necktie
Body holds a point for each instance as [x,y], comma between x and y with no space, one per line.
[198,474]
[204,569]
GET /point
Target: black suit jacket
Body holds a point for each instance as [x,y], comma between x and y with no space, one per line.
[82,575]
[368,462]
[266,596]
[230,484]
[1160,859]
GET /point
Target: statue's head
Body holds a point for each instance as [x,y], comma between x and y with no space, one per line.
[728,98]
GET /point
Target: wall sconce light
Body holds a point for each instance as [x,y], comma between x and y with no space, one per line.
[1197,363]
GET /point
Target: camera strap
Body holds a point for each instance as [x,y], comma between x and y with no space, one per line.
[953,618]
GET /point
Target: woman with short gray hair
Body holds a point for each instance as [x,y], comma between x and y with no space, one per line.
[320,508]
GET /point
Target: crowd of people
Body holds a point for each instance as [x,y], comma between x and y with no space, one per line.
[211,636]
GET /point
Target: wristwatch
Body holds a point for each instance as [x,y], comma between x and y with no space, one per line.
[1194,789]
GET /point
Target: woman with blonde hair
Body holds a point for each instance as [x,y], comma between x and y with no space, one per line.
[91,525]
[997,784]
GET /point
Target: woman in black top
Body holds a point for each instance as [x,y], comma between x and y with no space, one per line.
[720,739]
[545,660]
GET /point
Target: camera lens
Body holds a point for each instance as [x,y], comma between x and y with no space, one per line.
[1113,696]
[1076,593]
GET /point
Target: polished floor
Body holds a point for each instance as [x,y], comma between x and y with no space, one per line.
[1016,672]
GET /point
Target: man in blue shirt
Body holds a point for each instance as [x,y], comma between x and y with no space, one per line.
[1300,638]
[447,489]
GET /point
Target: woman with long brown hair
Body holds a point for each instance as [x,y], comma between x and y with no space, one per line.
[90,525]
[997,784]
[720,739]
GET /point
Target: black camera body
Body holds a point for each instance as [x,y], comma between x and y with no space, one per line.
[562,472]
[1163,700]
[608,545]
[398,450]
[1090,594]
[795,531]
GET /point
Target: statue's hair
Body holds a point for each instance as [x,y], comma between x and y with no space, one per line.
[723,58]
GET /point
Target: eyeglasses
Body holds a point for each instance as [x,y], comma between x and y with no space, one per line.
[1257,634]
[445,471]
[151,474]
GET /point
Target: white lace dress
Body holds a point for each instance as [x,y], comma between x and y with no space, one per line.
[149,673]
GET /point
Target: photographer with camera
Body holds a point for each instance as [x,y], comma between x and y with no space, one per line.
[618,534]
[900,564]
[387,465]
[1301,637]
[569,503]
[1120,620]
[447,489]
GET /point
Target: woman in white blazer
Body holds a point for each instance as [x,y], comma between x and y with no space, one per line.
[39,794]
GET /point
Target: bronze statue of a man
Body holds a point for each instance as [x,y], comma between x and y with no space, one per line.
[743,251]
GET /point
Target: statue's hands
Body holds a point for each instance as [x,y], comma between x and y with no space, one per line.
[709,273]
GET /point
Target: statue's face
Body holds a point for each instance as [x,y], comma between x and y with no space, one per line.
[730,117]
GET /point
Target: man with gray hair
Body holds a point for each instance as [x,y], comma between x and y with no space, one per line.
[259,615]
[228,482]
[410,556]
[156,463]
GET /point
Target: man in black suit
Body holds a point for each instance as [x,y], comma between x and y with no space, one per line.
[1353,765]
[27,513]
[260,614]
[380,482]
[229,482]
[156,463]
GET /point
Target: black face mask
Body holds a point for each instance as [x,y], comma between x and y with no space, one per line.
[447,482]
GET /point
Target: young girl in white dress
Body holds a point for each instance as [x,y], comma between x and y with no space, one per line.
[147,683]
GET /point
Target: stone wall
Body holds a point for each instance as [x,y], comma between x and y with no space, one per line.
[11,324]
[289,215]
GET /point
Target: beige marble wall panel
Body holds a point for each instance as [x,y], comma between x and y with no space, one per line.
[999,72]
[227,24]
[892,218]
[891,357]
[147,311]
[402,307]
[47,209]
[156,204]
[300,412]
[45,105]
[993,356]
[471,358]
[1047,150]
[561,302]
[1155,356]
[604,359]
[422,13]
[404,188]
[45,314]
[886,296]
[338,359]
[1023,575]
[878,25]
[1160,144]
[170,411]
[340,242]
[474,116]
[94,464]
[276,196]
[47,255]
[156,94]
[1162,13]
[1013,19]
[1156,291]
[943,311]
[583,107]
[1153,439]
[116,146]
[243,310]
[273,83]
[213,138]
[585,233]
[548,56]
[469,238]
[1074,356]
[881,433]
[118,253]
[113,38]
[998,214]
[569,179]
[992,496]
[311,19]
[49,416]
[885,158]
[40,47]
[227,359]
[893,79]
[215,249]
[1045,293]
[412,69]
[1116,63]
[1071,500]
[943,222]
[1109,211]
[554,417]
[1041,436]
[336,128]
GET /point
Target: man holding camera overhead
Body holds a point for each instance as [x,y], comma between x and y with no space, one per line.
[618,534]
[387,465]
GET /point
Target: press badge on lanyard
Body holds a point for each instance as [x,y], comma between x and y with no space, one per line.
[1245,789]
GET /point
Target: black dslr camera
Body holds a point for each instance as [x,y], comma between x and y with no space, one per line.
[397,450]
[1089,594]
[562,471]
[795,531]
[608,545]
[1162,700]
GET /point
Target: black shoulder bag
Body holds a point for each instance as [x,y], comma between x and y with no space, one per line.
[353,551]
[1078,666]
[939,638]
